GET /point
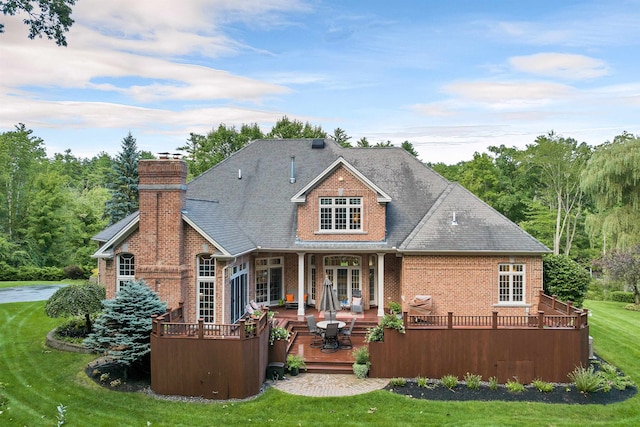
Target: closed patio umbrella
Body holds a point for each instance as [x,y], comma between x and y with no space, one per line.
[329,301]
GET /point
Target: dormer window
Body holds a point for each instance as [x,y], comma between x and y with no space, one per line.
[341,214]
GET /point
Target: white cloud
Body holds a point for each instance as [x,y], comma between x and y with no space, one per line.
[560,65]
[500,95]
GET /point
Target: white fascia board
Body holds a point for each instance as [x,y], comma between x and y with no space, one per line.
[105,250]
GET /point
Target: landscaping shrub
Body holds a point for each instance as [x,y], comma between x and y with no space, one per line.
[493,383]
[585,379]
[565,278]
[30,273]
[449,381]
[595,291]
[514,386]
[72,328]
[398,382]
[472,381]
[75,272]
[422,382]
[542,386]
[611,378]
[622,296]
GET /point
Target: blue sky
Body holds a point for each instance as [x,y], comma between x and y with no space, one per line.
[451,77]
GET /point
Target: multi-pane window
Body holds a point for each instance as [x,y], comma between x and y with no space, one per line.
[126,270]
[239,290]
[206,288]
[511,283]
[269,280]
[341,213]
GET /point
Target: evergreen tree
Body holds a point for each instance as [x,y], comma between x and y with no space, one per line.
[123,182]
[123,329]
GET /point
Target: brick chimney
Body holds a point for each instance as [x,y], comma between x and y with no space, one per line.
[162,197]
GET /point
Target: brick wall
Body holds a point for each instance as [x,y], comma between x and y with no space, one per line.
[342,183]
[467,284]
[160,258]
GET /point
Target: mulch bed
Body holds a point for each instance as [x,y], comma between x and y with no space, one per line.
[108,374]
[562,393]
[111,375]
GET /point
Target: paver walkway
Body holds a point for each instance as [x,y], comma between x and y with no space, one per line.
[326,385]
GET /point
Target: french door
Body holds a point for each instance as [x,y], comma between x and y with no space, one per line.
[345,276]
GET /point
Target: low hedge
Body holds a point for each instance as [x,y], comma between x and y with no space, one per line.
[621,296]
[48,274]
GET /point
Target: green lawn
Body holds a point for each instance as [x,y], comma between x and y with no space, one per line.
[38,282]
[35,379]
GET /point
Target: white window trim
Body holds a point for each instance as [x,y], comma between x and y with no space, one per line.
[511,274]
[201,280]
[122,278]
[271,262]
[333,207]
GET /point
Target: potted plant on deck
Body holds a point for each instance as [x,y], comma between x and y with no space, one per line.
[362,363]
[295,362]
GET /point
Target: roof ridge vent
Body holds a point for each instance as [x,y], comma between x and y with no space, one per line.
[317,143]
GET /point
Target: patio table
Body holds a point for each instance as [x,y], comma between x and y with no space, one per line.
[323,324]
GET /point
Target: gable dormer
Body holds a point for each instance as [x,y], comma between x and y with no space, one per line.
[341,204]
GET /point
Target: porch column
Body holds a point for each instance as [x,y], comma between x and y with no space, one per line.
[380,284]
[301,284]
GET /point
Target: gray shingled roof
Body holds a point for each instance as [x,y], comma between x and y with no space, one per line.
[218,226]
[256,211]
[111,231]
[260,204]
[460,222]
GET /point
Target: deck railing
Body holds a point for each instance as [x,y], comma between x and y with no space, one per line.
[171,324]
[578,320]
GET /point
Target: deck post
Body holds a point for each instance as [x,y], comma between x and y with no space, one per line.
[200,328]
[494,320]
[569,304]
[586,318]
[553,302]
[405,318]
[450,320]
[158,321]
[540,319]
[243,332]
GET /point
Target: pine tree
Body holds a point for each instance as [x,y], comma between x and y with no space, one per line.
[123,329]
[123,182]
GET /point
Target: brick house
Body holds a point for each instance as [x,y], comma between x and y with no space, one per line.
[279,216]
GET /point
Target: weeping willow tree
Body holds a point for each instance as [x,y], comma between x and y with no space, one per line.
[612,179]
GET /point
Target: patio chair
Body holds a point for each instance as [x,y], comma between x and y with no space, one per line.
[330,341]
[316,333]
[345,335]
[356,302]
[329,315]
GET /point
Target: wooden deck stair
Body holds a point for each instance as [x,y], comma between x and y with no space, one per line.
[339,362]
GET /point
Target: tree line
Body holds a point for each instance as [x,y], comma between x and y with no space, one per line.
[581,201]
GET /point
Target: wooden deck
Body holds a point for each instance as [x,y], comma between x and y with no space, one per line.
[338,362]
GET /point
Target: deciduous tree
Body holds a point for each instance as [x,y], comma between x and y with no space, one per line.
[559,162]
[76,300]
[50,18]
[624,265]
[287,129]
[612,179]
